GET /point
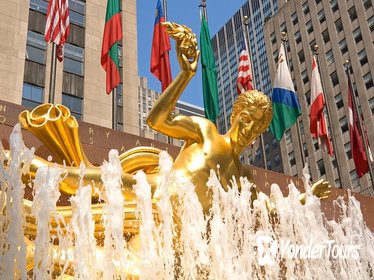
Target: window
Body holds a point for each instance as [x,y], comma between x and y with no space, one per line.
[321,16]
[267,150]
[258,155]
[330,57]
[301,125]
[32,95]
[275,55]
[305,8]
[39,5]
[76,12]
[315,144]
[368,80]
[321,167]
[334,78]
[291,158]
[339,101]
[307,97]
[294,18]
[352,13]
[371,23]
[357,35]
[275,142]
[276,160]
[338,25]
[354,178]
[347,150]
[273,38]
[283,27]
[297,37]
[288,136]
[301,56]
[73,59]
[36,47]
[367,4]
[304,77]
[309,27]
[74,103]
[325,36]
[371,105]
[334,5]
[362,57]
[343,124]
[343,46]
[268,164]
[305,150]
[338,184]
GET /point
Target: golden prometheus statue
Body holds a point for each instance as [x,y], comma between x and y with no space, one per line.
[204,149]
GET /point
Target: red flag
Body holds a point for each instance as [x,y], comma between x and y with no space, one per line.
[57,25]
[244,82]
[160,63]
[318,127]
[357,147]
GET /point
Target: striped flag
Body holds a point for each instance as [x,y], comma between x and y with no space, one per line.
[318,127]
[109,48]
[244,82]
[57,25]
[357,147]
[286,108]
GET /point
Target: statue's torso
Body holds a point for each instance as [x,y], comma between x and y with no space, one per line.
[196,160]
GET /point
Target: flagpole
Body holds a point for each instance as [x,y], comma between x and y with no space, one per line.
[284,42]
[246,40]
[328,111]
[360,126]
[114,108]
[165,10]
[52,77]
[165,17]
[203,5]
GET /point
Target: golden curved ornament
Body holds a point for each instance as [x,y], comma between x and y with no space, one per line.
[57,129]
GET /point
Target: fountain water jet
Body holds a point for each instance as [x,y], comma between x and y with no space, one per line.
[218,245]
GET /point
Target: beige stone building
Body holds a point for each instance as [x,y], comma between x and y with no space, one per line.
[25,61]
[344,30]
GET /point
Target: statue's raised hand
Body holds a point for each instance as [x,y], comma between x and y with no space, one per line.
[321,189]
[186,45]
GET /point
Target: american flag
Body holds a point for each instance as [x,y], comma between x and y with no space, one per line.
[57,25]
[244,82]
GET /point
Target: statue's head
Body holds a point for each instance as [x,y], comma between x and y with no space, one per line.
[251,115]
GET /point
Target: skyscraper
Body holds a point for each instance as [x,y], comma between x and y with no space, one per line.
[343,30]
[227,44]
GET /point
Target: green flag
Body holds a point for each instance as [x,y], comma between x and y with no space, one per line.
[210,91]
[109,48]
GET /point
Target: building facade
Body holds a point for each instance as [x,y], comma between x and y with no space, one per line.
[343,30]
[80,80]
[227,44]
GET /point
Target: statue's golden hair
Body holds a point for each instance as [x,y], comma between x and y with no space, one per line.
[253,98]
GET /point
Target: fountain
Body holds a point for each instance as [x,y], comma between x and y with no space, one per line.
[143,215]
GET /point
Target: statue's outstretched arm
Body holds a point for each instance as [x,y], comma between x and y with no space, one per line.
[72,176]
[160,118]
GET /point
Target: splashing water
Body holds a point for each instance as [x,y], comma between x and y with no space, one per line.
[237,239]
[84,230]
